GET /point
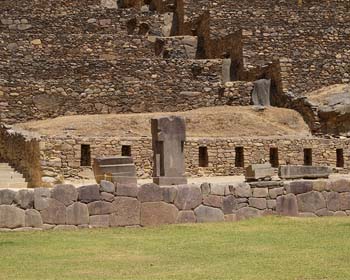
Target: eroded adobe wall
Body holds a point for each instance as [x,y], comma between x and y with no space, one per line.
[62,156]
[107,205]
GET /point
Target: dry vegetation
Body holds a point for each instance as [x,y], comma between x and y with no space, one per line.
[206,122]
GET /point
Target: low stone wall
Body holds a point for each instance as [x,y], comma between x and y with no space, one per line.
[107,205]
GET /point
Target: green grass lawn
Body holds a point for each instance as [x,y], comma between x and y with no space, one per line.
[264,248]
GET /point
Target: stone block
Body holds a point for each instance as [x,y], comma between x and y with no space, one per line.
[77,214]
[340,214]
[341,185]
[205,188]
[41,196]
[332,201]
[55,213]
[126,212]
[324,212]
[7,196]
[260,192]
[206,214]
[321,185]
[150,193]
[243,190]
[107,197]
[247,213]
[273,193]
[33,218]
[100,208]
[107,186]
[127,190]
[257,172]
[218,189]
[311,202]
[271,204]
[25,199]
[11,217]
[99,221]
[303,172]
[186,216]
[169,194]
[229,204]
[287,205]
[89,193]
[344,199]
[259,203]
[67,194]
[158,213]
[188,197]
[298,187]
[213,201]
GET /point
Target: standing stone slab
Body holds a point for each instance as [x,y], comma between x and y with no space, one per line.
[7,196]
[11,217]
[186,216]
[287,205]
[77,214]
[33,218]
[25,199]
[168,138]
[55,213]
[99,208]
[311,202]
[67,194]
[126,212]
[206,214]
[158,213]
[41,196]
[150,193]
[99,221]
[89,193]
[188,197]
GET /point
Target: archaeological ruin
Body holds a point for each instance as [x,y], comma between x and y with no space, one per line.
[123,93]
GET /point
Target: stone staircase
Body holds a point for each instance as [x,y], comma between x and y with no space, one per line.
[9,178]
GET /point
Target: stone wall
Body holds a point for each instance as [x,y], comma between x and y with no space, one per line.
[107,205]
[22,151]
[62,155]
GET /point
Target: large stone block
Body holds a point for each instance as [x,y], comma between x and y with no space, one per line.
[188,197]
[311,202]
[150,193]
[126,212]
[229,204]
[341,185]
[213,201]
[273,193]
[247,213]
[67,194]
[33,218]
[243,190]
[11,217]
[260,192]
[89,193]
[332,201]
[206,214]
[7,196]
[55,213]
[107,196]
[298,187]
[218,189]
[100,208]
[99,221]
[303,171]
[186,216]
[344,201]
[321,185]
[107,186]
[77,214]
[158,213]
[257,172]
[25,199]
[259,203]
[287,205]
[169,194]
[127,190]
[41,196]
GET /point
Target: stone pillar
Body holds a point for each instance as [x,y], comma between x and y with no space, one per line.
[168,137]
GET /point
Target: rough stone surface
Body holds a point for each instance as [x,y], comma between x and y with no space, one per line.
[341,185]
[213,201]
[150,193]
[99,221]
[41,196]
[311,202]
[127,190]
[260,192]
[243,190]
[107,196]
[208,214]
[273,193]
[271,204]
[344,201]
[259,203]
[332,201]
[186,216]
[205,188]
[67,194]
[287,205]
[33,218]
[99,208]
[157,213]
[89,193]
[188,197]
[229,204]
[324,212]
[107,186]
[11,217]
[298,187]
[77,214]
[340,214]
[321,185]
[55,213]
[169,194]
[247,213]
[7,196]
[25,199]
[218,189]
[126,212]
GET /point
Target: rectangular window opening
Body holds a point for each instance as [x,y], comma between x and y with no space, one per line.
[85,155]
[308,156]
[126,151]
[203,157]
[340,158]
[274,157]
[239,158]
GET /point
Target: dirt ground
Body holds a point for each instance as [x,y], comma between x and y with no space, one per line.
[224,121]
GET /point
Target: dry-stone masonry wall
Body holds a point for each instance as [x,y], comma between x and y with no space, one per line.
[107,205]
